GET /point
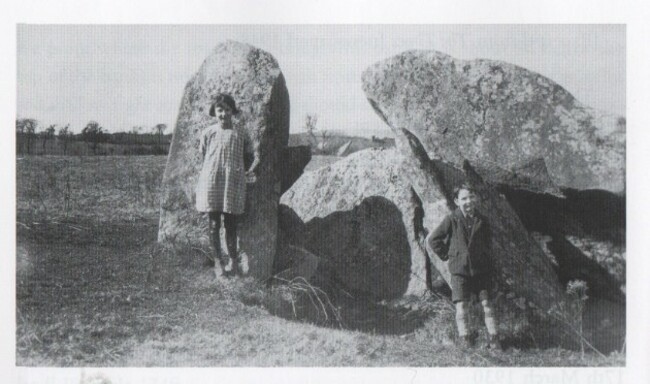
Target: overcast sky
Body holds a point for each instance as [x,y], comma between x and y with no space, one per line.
[122,76]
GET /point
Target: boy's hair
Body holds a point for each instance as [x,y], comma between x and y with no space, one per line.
[464,186]
[223,99]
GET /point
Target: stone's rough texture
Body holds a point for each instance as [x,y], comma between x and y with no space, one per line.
[521,265]
[532,176]
[255,81]
[491,111]
[359,215]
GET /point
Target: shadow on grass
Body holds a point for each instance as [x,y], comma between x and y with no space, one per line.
[370,317]
[88,297]
[322,302]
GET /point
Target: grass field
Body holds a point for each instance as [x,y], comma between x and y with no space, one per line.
[94,289]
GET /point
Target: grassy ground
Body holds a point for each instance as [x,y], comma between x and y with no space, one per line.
[93,289]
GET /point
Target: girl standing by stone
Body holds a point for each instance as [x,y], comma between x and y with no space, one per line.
[221,188]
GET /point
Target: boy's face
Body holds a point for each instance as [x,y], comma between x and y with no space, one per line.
[466,201]
[223,113]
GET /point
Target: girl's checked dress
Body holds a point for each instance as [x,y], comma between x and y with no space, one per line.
[222,181]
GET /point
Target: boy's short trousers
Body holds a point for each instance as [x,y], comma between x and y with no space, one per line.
[462,287]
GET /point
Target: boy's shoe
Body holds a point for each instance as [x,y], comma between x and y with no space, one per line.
[242,264]
[228,266]
[494,343]
[225,268]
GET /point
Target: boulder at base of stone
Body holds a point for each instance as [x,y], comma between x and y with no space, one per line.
[255,81]
[492,111]
[359,214]
[367,213]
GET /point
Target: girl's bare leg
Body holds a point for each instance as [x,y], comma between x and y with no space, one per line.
[215,225]
[230,222]
[215,241]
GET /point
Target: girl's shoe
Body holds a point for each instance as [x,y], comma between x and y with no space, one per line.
[469,341]
[473,336]
[226,267]
[494,343]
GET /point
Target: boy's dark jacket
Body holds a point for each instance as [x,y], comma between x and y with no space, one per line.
[468,253]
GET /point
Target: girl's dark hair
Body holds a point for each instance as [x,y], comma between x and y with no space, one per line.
[224,99]
[464,186]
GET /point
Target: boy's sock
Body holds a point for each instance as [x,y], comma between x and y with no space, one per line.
[490,321]
[242,264]
[462,318]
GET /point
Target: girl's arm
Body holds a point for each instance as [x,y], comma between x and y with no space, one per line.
[202,146]
[253,148]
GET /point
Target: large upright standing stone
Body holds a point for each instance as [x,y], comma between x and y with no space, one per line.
[494,112]
[255,81]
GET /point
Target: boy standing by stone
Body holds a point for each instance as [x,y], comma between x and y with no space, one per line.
[463,238]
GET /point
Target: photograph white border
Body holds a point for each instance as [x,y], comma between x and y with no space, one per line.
[634,14]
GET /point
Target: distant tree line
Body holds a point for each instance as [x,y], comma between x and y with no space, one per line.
[33,139]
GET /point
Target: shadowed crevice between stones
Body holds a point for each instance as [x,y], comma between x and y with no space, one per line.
[434,279]
[597,214]
[292,165]
[366,247]
[583,233]
[574,265]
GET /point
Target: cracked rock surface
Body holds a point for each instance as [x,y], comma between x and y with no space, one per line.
[495,112]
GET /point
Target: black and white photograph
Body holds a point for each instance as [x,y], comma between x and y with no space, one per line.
[251,195]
